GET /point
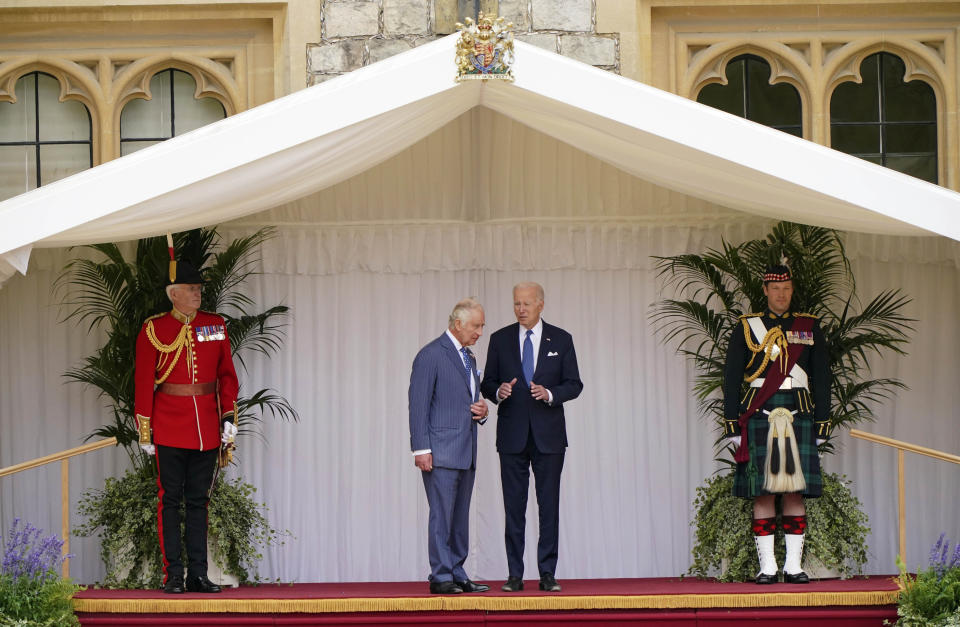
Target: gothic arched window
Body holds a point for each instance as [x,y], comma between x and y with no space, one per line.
[41,139]
[172,110]
[749,94]
[886,120]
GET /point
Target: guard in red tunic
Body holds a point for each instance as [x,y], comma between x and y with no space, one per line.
[186,393]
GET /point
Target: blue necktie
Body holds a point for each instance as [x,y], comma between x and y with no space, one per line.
[527,357]
[468,364]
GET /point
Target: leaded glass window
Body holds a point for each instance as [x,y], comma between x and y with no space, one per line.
[886,120]
[172,110]
[41,139]
[749,94]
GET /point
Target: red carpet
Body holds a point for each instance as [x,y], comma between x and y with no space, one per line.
[662,601]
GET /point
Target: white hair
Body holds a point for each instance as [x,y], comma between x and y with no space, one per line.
[526,285]
[462,310]
[169,289]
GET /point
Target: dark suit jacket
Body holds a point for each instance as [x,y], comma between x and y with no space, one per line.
[439,402]
[520,414]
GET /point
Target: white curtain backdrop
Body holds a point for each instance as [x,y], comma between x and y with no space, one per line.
[365,298]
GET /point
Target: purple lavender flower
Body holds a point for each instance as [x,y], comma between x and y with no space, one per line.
[935,551]
[26,556]
[941,560]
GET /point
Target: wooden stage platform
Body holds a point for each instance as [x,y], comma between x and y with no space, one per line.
[858,602]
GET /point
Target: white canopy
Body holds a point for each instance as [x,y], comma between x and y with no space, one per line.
[315,138]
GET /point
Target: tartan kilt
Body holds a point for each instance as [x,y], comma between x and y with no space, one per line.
[747,481]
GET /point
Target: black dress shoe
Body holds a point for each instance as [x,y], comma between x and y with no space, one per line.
[763,579]
[174,585]
[800,577]
[201,584]
[470,586]
[514,584]
[444,587]
[548,583]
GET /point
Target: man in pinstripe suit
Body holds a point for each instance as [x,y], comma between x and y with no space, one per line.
[445,407]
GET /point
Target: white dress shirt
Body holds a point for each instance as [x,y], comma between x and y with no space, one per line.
[535,338]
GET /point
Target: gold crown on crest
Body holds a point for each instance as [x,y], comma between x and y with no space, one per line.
[485,49]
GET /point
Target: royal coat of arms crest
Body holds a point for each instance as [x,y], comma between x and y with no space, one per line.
[485,49]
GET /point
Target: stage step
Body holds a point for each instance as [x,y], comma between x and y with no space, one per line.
[859,602]
[795,617]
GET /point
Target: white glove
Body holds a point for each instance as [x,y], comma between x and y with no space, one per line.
[149,449]
[820,441]
[229,432]
[735,440]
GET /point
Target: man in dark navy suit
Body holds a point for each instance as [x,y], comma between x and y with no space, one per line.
[531,372]
[445,408]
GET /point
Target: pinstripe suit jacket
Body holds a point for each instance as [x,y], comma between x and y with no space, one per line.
[439,403]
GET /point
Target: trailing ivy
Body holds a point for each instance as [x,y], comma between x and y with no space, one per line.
[239,530]
[124,516]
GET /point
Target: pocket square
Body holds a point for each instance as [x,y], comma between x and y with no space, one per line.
[552,354]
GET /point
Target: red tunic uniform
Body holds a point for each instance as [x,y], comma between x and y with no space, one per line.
[173,349]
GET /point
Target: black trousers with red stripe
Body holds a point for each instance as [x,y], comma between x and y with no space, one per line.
[184,476]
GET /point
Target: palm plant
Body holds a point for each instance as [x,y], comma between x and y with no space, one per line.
[716,288]
[119,295]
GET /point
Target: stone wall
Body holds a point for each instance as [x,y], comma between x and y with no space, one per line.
[355,33]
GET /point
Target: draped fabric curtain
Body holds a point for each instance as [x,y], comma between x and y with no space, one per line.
[365,298]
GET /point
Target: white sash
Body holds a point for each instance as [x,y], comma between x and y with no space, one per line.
[797,373]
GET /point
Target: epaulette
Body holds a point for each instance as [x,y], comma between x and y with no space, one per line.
[806,315]
[750,315]
[155,316]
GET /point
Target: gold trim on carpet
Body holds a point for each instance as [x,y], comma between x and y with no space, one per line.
[436,603]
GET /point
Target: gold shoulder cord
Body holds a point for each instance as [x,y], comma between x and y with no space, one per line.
[166,349]
[774,337]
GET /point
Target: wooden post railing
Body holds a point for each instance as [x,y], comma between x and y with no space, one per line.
[901,490]
[64,458]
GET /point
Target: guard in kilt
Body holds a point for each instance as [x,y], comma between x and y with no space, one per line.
[776,393]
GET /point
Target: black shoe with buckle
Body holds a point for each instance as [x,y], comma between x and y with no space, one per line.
[471,586]
[202,584]
[548,583]
[174,585]
[800,577]
[514,584]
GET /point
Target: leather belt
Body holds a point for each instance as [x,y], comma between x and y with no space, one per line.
[788,384]
[188,389]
